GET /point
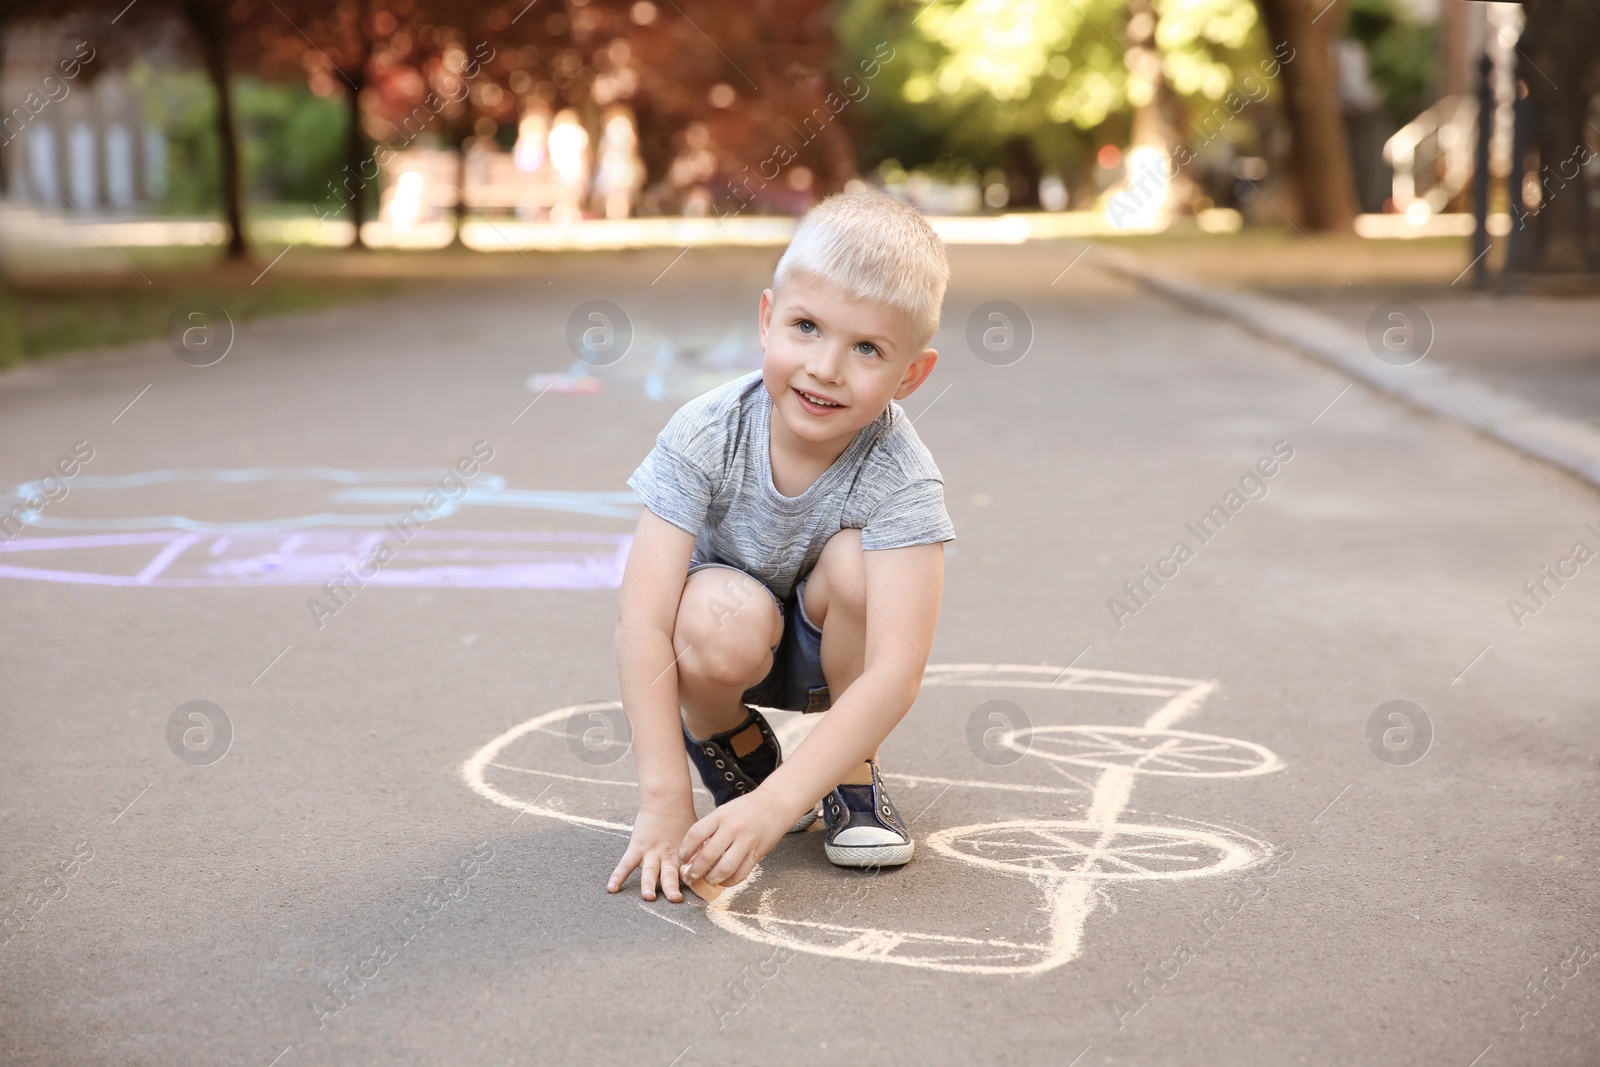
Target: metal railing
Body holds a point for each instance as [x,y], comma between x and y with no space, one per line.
[1432,154]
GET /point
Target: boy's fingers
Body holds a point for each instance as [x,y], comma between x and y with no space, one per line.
[710,851]
[727,865]
[696,836]
[669,882]
[744,870]
[620,875]
[647,880]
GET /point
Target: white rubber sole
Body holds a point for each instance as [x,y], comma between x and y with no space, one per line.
[804,821]
[869,855]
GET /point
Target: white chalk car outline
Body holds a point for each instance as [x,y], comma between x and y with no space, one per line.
[1071,862]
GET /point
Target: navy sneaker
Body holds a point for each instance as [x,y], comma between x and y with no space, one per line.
[727,776]
[864,829]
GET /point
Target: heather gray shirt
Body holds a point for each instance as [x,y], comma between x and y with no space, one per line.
[710,474]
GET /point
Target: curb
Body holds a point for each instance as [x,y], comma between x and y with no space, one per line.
[1430,388]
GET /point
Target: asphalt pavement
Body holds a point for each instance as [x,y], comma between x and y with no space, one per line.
[1312,789]
[1546,348]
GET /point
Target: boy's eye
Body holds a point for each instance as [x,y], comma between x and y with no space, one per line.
[809,328]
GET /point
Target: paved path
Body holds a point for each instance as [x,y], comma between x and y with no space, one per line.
[1191,855]
[1542,347]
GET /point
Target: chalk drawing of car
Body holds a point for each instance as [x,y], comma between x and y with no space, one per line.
[1031,850]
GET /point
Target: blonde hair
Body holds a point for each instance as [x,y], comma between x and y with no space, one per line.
[874,247]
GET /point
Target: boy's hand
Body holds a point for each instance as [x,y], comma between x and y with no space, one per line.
[726,845]
[653,849]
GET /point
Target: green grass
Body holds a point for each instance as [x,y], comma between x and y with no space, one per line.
[74,306]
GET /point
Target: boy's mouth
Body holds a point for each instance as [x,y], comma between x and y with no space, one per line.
[820,406]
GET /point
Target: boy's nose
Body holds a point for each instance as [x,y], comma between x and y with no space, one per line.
[827,364]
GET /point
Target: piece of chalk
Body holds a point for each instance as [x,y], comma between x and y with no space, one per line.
[705,890]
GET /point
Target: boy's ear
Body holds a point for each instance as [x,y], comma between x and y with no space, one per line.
[764,316]
[917,372]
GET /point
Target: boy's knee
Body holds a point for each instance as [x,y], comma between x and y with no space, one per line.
[735,595]
[724,633]
[720,600]
[722,662]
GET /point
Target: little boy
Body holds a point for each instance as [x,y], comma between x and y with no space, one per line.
[791,556]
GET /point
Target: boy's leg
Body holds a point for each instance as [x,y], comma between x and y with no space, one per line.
[727,626]
[835,599]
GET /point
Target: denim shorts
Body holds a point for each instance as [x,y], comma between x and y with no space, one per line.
[795,682]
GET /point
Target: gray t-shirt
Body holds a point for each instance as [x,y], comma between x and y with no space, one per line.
[710,474]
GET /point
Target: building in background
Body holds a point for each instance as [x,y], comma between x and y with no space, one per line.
[73,136]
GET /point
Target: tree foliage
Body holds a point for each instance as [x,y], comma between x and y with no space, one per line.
[1402,54]
[976,72]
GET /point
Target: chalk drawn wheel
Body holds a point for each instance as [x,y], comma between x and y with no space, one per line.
[771,909]
[1172,752]
[1082,850]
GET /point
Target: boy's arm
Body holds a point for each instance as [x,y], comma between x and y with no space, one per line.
[904,587]
[647,613]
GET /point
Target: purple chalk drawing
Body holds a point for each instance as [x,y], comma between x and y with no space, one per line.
[482,559]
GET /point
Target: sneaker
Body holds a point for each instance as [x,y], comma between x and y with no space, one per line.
[864,829]
[727,776]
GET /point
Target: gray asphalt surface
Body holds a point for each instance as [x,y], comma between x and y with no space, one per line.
[1544,348]
[1195,856]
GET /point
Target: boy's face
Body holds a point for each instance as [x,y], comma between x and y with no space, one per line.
[857,353]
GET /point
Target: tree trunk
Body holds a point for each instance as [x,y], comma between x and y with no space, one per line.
[355,156]
[5,185]
[209,22]
[355,144]
[1158,119]
[457,135]
[1560,44]
[839,154]
[1021,166]
[1319,152]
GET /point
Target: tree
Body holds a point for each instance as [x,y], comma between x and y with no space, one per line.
[1319,153]
[1158,119]
[970,78]
[739,99]
[740,79]
[211,24]
[330,45]
[1560,64]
